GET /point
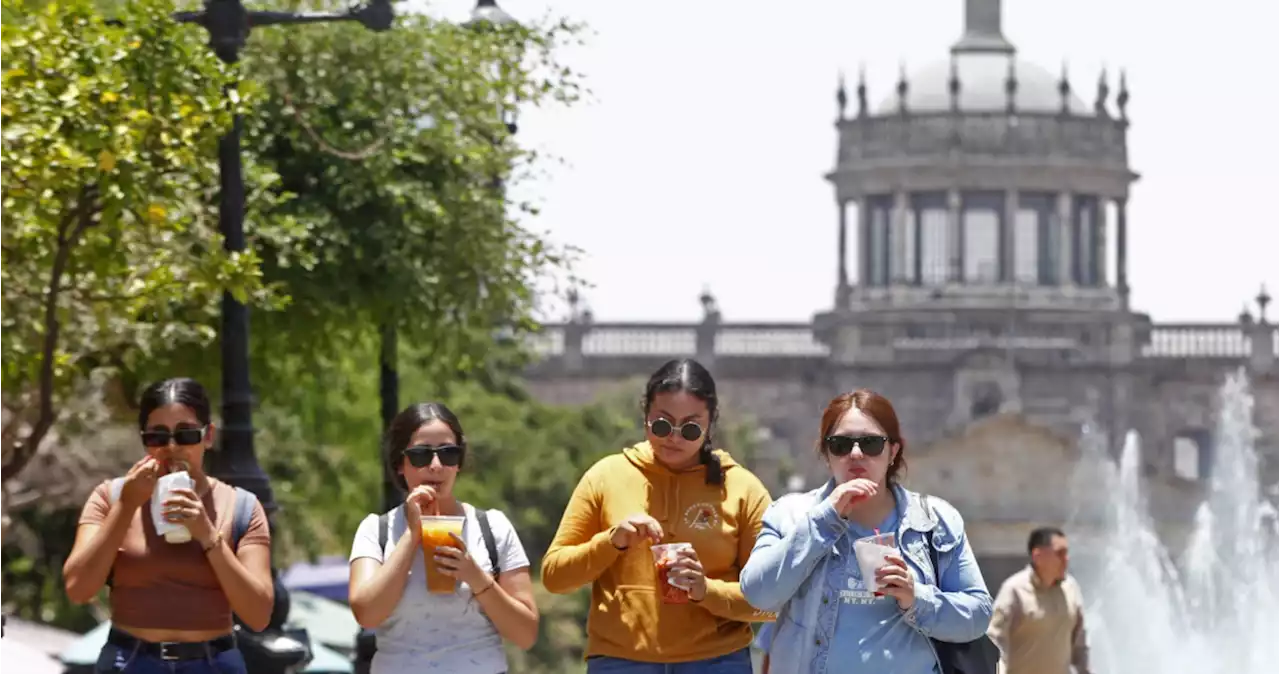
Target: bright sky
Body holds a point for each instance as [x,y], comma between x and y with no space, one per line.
[699,160]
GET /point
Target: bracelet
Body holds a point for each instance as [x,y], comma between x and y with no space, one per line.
[486,588]
[213,543]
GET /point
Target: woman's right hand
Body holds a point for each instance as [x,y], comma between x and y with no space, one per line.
[848,494]
[418,503]
[634,529]
[140,482]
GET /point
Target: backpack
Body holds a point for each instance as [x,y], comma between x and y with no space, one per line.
[979,656]
[246,501]
[366,639]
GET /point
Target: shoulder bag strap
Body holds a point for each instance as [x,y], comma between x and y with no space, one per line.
[384,523]
[245,502]
[490,543]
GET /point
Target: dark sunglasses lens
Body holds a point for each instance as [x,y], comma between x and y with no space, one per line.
[839,445]
[690,431]
[418,456]
[871,445]
[188,436]
[661,427]
[155,438]
[450,455]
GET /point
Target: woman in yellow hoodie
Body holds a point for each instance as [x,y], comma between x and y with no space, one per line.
[672,488]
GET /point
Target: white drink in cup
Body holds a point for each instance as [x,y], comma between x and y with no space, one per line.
[173,532]
[871,552]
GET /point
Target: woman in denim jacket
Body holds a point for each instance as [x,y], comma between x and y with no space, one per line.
[803,565]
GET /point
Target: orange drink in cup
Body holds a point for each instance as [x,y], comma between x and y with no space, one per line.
[435,533]
[663,557]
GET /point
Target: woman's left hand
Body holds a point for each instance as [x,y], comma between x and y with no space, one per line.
[186,508]
[897,581]
[686,572]
[454,562]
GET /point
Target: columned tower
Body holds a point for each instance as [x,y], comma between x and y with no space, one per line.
[982,198]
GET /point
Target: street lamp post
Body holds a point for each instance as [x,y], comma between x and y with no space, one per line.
[228,23]
[486,12]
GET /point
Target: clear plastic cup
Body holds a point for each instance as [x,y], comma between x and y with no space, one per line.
[173,532]
[435,533]
[663,557]
[871,552]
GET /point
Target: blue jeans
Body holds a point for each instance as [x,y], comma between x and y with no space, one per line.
[116,659]
[738,662]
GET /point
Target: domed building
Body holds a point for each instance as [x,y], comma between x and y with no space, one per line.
[982,258]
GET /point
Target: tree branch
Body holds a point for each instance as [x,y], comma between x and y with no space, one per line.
[81,215]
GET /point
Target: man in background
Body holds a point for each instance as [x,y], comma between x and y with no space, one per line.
[1038,616]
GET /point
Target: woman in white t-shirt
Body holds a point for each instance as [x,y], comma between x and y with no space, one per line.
[417,631]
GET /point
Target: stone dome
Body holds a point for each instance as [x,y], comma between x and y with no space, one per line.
[982,87]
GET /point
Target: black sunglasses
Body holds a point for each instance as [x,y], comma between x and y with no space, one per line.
[421,456]
[160,437]
[662,428]
[842,445]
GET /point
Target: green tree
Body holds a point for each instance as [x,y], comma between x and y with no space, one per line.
[397,148]
[110,243]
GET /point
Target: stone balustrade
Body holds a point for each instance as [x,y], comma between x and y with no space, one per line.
[976,134]
[797,340]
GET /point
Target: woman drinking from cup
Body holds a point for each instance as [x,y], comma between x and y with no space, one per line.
[180,550]
[661,531]
[848,566]
[419,572]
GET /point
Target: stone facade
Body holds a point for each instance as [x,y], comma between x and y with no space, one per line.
[981,306]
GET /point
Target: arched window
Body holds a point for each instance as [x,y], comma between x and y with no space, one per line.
[986,400]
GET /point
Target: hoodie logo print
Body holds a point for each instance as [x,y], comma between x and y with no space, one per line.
[702,516]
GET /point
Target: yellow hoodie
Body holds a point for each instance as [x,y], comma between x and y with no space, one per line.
[628,619]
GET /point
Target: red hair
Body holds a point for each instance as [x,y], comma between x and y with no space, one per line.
[879,409]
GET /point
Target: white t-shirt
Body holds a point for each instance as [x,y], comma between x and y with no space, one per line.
[440,632]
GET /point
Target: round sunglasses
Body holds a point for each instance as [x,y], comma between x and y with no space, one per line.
[160,437]
[842,445]
[662,428]
[421,456]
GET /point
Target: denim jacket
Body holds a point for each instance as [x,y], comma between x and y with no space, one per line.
[787,568]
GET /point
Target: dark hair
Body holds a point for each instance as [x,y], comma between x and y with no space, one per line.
[691,377]
[406,423]
[1042,537]
[880,410]
[180,391]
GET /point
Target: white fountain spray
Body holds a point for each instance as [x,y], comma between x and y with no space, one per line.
[1218,610]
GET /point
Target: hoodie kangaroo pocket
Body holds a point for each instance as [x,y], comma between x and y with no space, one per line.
[636,613]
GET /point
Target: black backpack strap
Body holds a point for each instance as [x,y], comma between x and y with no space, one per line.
[384,523]
[489,542]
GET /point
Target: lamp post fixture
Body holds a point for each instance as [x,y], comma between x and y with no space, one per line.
[485,13]
[228,23]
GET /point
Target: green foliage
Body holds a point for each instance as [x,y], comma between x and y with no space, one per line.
[362,215]
[396,148]
[110,242]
